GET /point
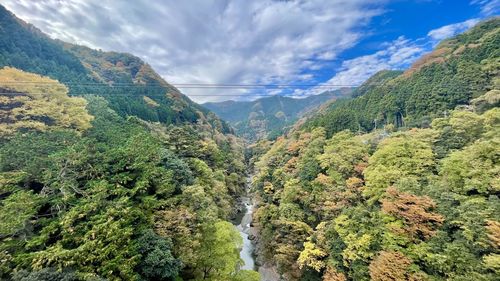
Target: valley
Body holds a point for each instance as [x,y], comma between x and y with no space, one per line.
[270,117]
[110,172]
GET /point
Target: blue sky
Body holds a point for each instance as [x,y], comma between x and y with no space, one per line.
[339,42]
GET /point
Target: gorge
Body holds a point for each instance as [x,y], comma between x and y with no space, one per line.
[109,172]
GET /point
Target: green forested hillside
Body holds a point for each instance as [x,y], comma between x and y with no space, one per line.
[96,196]
[268,117]
[125,81]
[420,204]
[401,182]
[92,187]
[458,70]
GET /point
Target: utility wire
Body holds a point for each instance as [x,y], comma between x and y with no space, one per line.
[186,85]
[22,94]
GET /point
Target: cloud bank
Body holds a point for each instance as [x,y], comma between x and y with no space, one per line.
[395,55]
[210,41]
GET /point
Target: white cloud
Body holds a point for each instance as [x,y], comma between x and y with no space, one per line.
[488,7]
[451,29]
[397,54]
[210,41]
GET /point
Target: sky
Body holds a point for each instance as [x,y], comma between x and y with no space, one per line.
[323,42]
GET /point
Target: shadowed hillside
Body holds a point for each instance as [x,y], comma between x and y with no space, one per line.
[268,117]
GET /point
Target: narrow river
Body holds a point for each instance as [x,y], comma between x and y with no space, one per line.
[246,252]
[267,273]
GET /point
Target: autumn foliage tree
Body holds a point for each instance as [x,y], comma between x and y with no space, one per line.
[420,222]
[390,266]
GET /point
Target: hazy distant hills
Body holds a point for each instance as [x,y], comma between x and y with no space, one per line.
[267,117]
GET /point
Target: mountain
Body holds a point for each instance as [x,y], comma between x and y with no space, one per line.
[268,117]
[129,85]
[107,172]
[458,70]
[400,182]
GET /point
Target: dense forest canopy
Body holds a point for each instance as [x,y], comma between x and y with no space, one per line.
[419,204]
[400,182]
[113,198]
[108,172]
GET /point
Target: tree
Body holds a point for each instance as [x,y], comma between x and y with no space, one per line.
[44,105]
[396,158]
[331,274]
[416,212]
[492,261]
[16,211]
[307,165]
[389,266]
[45,274]
[311,256]
[473,169]
[246,275]
[157,261]
[218,254]
[342,154]
[458,130]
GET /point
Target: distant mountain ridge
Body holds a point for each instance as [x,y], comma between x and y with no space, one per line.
[267,117]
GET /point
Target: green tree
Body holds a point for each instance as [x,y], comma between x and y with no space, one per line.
[16,213]
[218,254]
[246,275]
[157,262]
[473,169]
[397,158]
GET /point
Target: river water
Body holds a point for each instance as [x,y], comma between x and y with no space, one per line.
[246,252]
[267,273]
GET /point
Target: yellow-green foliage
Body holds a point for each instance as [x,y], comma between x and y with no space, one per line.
[151,102]
[15,211]
[30,101]
[414,204]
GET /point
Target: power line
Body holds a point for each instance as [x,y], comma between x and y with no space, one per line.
[21,94]
[188,85]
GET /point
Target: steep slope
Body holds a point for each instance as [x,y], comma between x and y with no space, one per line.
[86,194]
[130,85]
[376,80]
[267,117]
[458,70]
[92,187]
[416,200]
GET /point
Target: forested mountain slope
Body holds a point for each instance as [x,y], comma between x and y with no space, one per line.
[268,117]
[129,85]
[416,200]
[92,187]
[458,70]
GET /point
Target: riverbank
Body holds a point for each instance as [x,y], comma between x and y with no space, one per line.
[249,234]
[246,252]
